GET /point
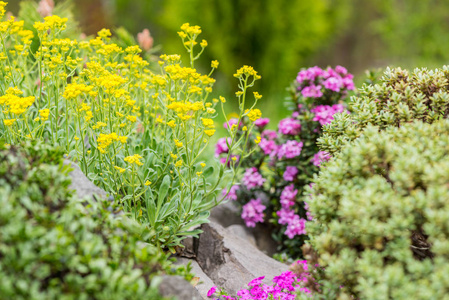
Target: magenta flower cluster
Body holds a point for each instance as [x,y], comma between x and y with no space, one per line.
[285,160]
[325,113]
[320,157]
[295,224]
[314,82]
[289,126]
[284,287]
[252,212]
[252,178]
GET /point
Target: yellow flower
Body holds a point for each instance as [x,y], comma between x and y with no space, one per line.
[208,123]
[202,165]
[257,95]
[257,140]
[171,124]
[199,173]
[121,170]
[76,138]
[73,90]
[254,114]
[214,64]
[104,33]
[244,128]
[147,183]
[203,43]
[134,159]
[247,71]
[44,113]
[178,143]
[209,132]
[131,118]
[178,163]
[174,156]
[222,99]
[9,122]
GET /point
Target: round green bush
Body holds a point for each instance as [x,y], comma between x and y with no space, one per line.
[55,247]
[381,215]
[399,98]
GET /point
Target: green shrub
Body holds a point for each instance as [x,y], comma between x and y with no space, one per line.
[55,247]
[381,215]
[399,98]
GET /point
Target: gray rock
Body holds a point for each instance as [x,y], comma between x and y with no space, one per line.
[176,286]
[231,262]
[226,214]
[82,185]
[204,282]
[242,232]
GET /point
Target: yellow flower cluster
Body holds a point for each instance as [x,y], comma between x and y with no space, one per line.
[9,122]
[134,159]
[16,105]
[73,90]
[51,22]
[247,71]
[190,29]
[254,114]
[2,8]
[44,113]
[104,140]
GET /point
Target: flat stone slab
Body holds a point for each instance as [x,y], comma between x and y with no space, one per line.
[82,185]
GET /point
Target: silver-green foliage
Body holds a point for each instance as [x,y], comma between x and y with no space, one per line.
[56,247]
[381,215]
[399,98]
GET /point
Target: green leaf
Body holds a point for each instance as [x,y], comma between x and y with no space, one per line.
[163,190]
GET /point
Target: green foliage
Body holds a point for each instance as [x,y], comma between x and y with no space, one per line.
[400,97]
[381,215]
[275,37]
[55,247]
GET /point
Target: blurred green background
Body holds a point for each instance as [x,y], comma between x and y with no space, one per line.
[279,37]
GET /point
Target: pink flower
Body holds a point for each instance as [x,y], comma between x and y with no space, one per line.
[313,91]
[252,212]
[289,126]
[341,70]
[222,146]
[348,83]
[290,173]
[256,282]
[232,195]
[290,149]
[270,134]
[320,157]
[296,226]
[333,84]
[288,196]
[231,121]
[252,178]
[309,75]
[145,40]
[267,146]
[285,215]
[324,114]
[285,280]
[211,291]
[262,122]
